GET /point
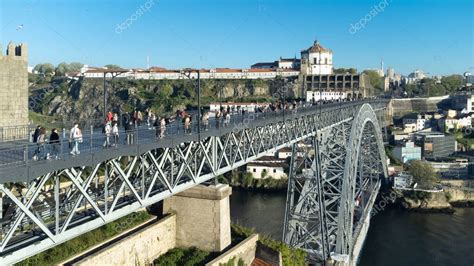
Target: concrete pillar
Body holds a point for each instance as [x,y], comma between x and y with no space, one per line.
[203,217]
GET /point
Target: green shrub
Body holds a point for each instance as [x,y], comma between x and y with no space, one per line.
[290,256]
[185,257]
[85,241]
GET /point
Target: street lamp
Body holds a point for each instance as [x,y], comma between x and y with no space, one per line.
[114,73]
[188,73]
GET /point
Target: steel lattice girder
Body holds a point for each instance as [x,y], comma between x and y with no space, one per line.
[321,202]
[63,204]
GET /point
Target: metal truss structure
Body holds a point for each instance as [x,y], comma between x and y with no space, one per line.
[332,187]
[70,200]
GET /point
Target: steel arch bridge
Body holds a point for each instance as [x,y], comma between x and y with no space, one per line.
[48,203]
[333,185]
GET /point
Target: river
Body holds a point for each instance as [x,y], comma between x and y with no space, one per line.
[395,237]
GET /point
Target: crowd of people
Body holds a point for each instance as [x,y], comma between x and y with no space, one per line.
[50,148]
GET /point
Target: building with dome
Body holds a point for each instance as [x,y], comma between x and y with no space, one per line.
[316,60]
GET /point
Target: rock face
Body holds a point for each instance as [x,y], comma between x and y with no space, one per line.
[82,100]
[437,201]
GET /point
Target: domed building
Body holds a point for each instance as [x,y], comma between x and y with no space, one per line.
[316,60]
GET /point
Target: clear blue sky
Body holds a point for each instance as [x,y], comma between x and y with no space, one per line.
[435,36]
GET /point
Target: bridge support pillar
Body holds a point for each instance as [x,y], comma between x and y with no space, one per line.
[203,217]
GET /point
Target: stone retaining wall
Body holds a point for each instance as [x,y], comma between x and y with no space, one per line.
[245,250]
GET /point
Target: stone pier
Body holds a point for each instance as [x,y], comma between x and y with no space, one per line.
[203,217]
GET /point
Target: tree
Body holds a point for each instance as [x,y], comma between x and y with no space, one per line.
[46,69]
[375,79]
[166,90]
[452,83]
[112,66]
[423,173]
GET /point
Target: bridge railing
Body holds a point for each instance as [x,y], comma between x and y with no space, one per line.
[94,139]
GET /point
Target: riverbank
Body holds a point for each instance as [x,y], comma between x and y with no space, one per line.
[420,201]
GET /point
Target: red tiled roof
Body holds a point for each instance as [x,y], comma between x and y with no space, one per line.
[259,262]
[317,48]
[228,70]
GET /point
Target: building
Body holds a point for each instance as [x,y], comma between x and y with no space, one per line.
[468,79]
[282,63]
[14,89]
[336,86]
[407,152]
[415,76]
[236,106]
[459,121]
[416,122]
[284,153]
[316,60]
[452,169]
[263,65]
[267,167]
[402,181]
[435,144]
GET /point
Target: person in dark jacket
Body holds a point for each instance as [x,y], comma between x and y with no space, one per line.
[55,143]
[36,134]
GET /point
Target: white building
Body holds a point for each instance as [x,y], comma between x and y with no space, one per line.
[415,76]
[325,95]
[266,167]
[450,122]
[402,181]
[316,60]
[284,153]
[237,106]
[416,122]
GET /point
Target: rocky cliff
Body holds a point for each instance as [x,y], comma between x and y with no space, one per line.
[83,99]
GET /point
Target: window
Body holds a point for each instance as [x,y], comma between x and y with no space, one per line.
[274,170]
[254,170]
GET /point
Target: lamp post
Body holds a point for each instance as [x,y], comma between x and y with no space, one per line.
[188,73]
[114,73]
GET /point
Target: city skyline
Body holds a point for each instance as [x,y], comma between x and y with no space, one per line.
[238,34]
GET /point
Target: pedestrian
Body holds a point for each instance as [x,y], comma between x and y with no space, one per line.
[187,122]
[152,118]
[40,141]
[205,121]
[157,127]
[218,118]
[129,132]
[55,143]
[115,118]
[36,134]
[107,131]
[110,116]
[75,137]
[115,133]
[139,118]
[162,127]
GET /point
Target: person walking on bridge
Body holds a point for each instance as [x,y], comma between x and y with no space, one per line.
[75,137]
[107,134]
[40,152]
[115,133]
[54,142]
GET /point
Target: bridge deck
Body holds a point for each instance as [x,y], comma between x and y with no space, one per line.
[17,163]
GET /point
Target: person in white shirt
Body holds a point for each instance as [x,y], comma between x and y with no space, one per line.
[75,137]
[107,131]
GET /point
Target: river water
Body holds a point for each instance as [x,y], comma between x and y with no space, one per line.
[395,237]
